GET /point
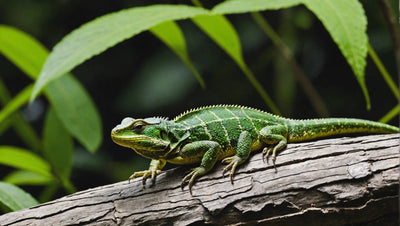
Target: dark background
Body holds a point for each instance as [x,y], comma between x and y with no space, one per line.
[141,77]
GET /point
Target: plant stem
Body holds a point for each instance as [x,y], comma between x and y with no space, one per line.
[21,127]
[384,73]
[298,72]
[390,115]
[393,29]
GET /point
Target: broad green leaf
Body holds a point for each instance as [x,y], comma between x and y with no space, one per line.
[104,32]
[245,6]
[221,31]
[19,100]
[15,198]
[58,145]
[69,99]
[23,159]
[23,177]
[346,22]
[23,50]
[170,33]
[76,110]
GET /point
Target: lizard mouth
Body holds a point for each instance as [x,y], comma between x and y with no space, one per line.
[141,142]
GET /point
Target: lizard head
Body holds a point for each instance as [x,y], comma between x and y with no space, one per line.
[149,137]
[145,136]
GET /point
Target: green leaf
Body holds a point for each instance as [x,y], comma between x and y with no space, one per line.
[346,22]
[76,110]
[21,99]
[104,32]
[23,177]
[245,6]
[23,50]
[221,31]
[15,198]
[170,33]
[69,99]
[58,145]
[24,159]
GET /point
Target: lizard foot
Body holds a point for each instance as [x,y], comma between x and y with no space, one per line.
[191,177]
[145,174]
[266,153]
[232,162]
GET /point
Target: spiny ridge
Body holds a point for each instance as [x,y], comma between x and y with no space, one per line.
[219,106]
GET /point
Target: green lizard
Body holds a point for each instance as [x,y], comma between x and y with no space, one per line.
[224,132]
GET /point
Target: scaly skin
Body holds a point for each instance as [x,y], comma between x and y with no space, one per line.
[225,132]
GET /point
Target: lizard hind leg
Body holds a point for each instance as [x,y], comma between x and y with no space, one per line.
[242,154]
[275,138]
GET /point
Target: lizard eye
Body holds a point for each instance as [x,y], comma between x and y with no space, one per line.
[138,128]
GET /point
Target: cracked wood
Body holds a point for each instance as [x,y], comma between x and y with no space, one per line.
[333,182]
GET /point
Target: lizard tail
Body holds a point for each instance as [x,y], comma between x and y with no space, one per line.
[302,130]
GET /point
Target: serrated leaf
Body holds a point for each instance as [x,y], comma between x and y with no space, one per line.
[104,32]
[76,110]
[24,159]
[57,145]
[69,99]
[244,6]
[346,22]
[170,33]
[23,177]
[15,198]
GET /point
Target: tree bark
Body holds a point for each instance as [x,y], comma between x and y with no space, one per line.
[342,181]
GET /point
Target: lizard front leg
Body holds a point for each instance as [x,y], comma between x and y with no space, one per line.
[276,137]
[211,150]
[155,168]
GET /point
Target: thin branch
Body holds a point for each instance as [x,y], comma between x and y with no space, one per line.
[393,29]
[383,71]
[298,72]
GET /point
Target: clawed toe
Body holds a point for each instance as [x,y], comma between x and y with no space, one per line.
[191,177]
[145,174]
[232,162]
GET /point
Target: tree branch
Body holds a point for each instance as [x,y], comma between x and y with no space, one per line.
[326,182]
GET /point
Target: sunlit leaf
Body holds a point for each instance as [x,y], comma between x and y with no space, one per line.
[23,50]
[76,110]
[58,145]
[71,102]
[245,6]
[23,159]
[219,29]
[170,33]
[104,32]
[345,21]
[23,177]
[15,198]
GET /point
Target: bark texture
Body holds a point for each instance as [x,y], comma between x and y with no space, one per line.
[338,181]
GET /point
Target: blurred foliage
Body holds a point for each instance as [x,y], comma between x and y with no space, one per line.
[142,77]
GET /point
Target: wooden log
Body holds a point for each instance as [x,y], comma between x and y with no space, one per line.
[338,181]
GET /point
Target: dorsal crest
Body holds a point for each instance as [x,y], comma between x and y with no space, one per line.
[195,110]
